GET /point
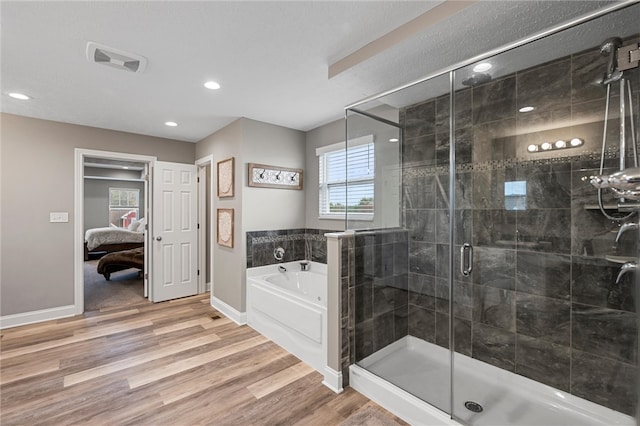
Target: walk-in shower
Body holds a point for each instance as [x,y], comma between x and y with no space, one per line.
[489,288]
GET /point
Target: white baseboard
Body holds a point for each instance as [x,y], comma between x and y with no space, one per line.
[333,379]
[32,317]
[228,311]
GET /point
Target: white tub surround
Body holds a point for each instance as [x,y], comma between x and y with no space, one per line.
[289,307]
[335,322]
[403,375]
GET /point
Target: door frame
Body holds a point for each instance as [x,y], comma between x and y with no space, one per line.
[78,209]
[203,285]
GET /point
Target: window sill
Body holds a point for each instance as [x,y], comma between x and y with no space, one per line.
[359,218]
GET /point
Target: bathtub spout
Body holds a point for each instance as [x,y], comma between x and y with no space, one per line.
[304,265]
[627,267]
[282,269]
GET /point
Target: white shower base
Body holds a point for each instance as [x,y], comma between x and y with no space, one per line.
[420,372]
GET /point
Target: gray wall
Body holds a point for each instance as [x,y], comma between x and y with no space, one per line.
[96,200]
[387,192]
[28,239]
[227,262]
[321,136]
[251,141]
[270,208]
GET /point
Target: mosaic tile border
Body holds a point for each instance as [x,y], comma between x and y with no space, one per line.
[423,171]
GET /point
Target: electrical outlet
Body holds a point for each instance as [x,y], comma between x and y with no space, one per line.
[55,217]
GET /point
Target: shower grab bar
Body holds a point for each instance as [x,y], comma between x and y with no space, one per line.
[466,261]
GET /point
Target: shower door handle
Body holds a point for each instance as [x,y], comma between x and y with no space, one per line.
[466,259]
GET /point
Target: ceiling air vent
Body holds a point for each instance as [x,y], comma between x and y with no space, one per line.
[115,58]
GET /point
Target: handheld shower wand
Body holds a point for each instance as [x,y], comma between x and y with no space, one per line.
[622,183]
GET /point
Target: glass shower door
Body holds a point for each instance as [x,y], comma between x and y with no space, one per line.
[401,265]
[539,313]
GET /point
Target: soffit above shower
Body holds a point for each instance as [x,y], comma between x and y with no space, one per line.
[571,41]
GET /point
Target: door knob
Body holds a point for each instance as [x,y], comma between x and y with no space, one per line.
[158,238]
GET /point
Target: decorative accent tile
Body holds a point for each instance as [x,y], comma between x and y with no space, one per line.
[299,244]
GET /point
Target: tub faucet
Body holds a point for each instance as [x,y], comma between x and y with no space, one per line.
[304,265]
[626,227]
[627,267]
[282,269]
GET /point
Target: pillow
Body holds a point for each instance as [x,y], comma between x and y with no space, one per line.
[141,223]
[133,226]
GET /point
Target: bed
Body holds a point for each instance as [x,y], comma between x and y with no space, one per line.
[112,239]
[121,260]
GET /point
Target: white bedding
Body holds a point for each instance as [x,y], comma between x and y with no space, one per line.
[98,236]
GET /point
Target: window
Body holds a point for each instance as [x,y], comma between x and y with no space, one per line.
[515,195]
[124,206]
[347,181]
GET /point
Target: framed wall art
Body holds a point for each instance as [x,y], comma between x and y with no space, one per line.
[225,177]
[264,176]
[224,228]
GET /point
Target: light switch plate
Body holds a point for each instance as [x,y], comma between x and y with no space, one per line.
[58,217]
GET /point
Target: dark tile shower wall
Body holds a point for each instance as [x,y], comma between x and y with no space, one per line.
[542,300]
[299,244]
[379,284]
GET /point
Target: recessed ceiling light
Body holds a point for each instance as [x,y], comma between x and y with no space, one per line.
[482,67]
[576,142]
[394,140]
[171,123]
[125,167]
[526,109]
[212,85]
[19,96]
[532,148]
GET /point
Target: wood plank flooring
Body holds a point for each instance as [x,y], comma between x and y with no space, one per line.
[170,363]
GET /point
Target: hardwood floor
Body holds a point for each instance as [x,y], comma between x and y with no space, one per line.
[171,363]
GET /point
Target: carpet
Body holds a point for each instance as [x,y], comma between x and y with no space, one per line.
[124,288]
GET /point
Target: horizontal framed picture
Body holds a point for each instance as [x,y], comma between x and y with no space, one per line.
[264,176]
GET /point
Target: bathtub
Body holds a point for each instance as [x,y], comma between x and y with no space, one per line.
[415,371]
[290,309]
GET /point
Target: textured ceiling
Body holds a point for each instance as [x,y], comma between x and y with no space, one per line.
[271,58]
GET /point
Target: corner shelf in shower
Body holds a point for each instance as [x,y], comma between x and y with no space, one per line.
[614,207]
[620,259]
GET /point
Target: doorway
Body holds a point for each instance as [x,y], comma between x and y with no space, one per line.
[174,198]
[205,230]
[99,162]
[115,200]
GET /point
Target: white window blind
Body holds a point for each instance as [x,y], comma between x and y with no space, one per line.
[347,179]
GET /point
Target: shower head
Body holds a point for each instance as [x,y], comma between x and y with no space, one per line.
[476,79]
[610,47]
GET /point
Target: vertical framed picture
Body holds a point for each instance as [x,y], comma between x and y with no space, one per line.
[224,227]
[225,177]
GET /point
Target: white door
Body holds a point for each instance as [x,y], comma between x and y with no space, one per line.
[147,227]
[174,231]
